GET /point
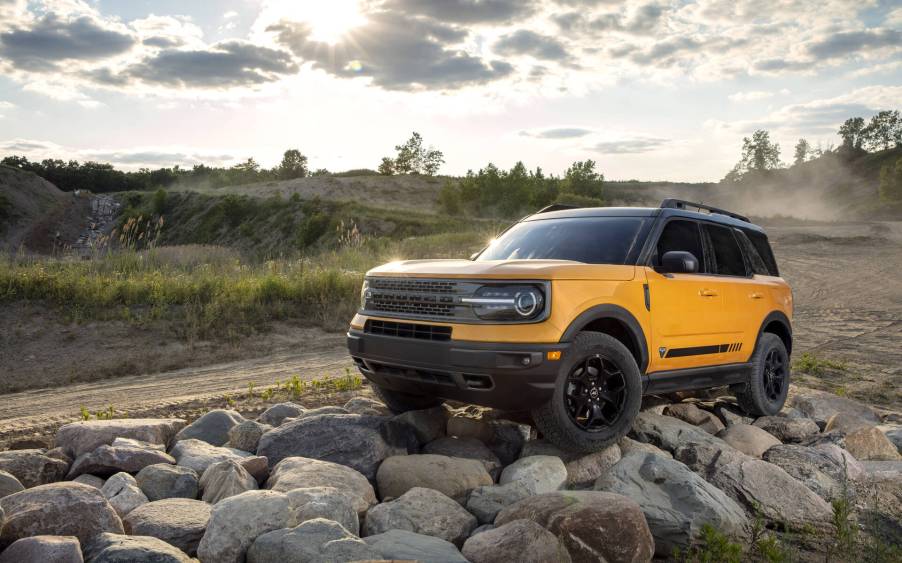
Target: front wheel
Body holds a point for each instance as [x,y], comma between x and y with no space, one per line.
[764,392]
[597,395]
[399,402]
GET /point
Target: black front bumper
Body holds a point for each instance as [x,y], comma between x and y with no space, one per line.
[499,375]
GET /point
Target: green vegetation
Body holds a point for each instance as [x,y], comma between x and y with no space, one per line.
[413,158]
[891,182]
[812,365]
[713,547]
[108,414]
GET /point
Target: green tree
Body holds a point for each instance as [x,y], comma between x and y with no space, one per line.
[449,199]
[413,158]
[582,179]
[891,182]
[802,150]
[387,166]
[759,153]
[851,132]
[293,165]
[883,131]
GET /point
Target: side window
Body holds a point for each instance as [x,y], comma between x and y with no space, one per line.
[755,260]
[728,259]
[681,235]
[759,241]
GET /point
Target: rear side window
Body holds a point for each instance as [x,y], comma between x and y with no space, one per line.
[759,241]
[728,259]
[751,253]
[681,235]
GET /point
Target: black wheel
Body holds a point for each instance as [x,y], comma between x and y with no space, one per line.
[764,393]
[596,397]
[402,402]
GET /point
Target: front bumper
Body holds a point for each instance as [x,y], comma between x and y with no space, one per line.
[498,375]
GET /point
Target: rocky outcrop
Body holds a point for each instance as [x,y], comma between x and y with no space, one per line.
[519,540]
[301,473]
[314,541]
[33,467]
[423,511]
[213,427]
[820,406]
[83,437]
[455,477]
[813,467]
[167,481]
[179,522]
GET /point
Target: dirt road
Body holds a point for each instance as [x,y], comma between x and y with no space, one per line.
[848,295]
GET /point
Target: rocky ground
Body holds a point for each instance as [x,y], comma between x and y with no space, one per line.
[823,479]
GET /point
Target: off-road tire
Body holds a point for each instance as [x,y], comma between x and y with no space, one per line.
[752,395]
[552,418]
[399,402]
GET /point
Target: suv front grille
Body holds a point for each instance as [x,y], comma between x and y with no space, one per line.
[408,330]
[420,286]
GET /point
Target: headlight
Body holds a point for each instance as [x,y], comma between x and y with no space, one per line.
[365,294]
[507,302]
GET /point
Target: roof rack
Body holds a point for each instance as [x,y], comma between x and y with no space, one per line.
[683,204]
[556,207]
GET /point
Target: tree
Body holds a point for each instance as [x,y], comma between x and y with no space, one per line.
[802,150]
[883,131]
[387,166]
[412,158]
[582,179]
[891,182]
[293,165]
[851,132]
[759,154]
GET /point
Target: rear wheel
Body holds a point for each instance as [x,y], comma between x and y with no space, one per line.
[596,397]
[764,393]
[400,402]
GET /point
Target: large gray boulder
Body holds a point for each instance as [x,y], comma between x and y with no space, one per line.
[705,457]
[9,484]
[467,448]
[367,406]
[788,430]
[199,455]
[894,435]
[582,469]
[324,502]
[813,467]
[92,480]
[750,440]
[167,481]
[237,521]
[301,473]
[123,494]
[486,502]
[179,522]
[107,460]
[591,525]
[455,477]
[115,548]
[509,438]
[538,473]
[427,424]
[759,485]
[628,445]
[519,540]
[402,545]
[844,423]
[821,405]
[274,415]
[57,509]
[225,479]
[314,541]
[213,427]
[667,432]
[50,549]
[348,439]
[33,467]
[423,511]
[676,502]
[870,444]
[246,435]
[83,437]
[690,413]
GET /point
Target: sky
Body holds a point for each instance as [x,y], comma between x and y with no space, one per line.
[649,89]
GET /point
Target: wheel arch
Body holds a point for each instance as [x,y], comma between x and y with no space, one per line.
[776,322]
[617,322]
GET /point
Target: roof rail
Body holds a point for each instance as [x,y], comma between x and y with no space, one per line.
[683,204]
[556,207]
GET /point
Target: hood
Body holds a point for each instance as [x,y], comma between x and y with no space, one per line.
[505,269]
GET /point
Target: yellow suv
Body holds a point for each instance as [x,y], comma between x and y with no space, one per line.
[575,313]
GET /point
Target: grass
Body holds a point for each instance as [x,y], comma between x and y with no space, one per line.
[812,365]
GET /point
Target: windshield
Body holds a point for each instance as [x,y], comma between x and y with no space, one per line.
[593,240]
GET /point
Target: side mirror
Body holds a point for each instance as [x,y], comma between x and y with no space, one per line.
[678,262]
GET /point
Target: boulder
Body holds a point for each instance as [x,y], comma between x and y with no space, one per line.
[869,443]
[591,525]
[844,423]
[582,469]
[212,427]
[86,436]
[455,477]
[123,494]
[349,439]
[423,511]
[328,409]
[274,415]
[107,460]
[821,405]
[750,440]
[667,432]
[246,435]
[301,473]
[729,413]
[486,502]
[314,541]
[199,455]
[704,457]
[91,480]
[132,443]
[115,548]
[179,522]
[49,549]
[519,540]
[894,435]
[367,406]
[759,485]
[237,521]
[853,468]
[508,439]
[58,453]
[466,427]
[676,502]
[482,528]
[628,445]
[813,467]
[52,509]
[324,502]
[466,448]
[257,466]
[225,479]
[690,413]
[33,467]
[427,424]
[788,430]
[538,473]
[9,484]
[167,481]
[402,545]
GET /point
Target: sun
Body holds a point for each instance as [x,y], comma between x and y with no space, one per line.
[329,20]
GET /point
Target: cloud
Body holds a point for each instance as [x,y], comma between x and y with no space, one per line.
[53,39]
[754,95]
[132,158]
[526,42]
[6,105]
[398,52]
[629,145]
[642,21]
[466,11]
[846,43]
[558,133]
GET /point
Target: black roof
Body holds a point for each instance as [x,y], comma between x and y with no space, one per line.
[641,212]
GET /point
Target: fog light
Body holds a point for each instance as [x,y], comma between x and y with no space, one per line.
[554,355]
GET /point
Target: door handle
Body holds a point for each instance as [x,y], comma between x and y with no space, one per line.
[707,293]
[756,295]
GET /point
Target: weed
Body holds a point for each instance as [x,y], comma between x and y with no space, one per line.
[229,400]
[85,413]
[713,547]
[812,365]
[250,390]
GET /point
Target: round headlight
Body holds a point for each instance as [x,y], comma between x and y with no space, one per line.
[365,294]
[526,303]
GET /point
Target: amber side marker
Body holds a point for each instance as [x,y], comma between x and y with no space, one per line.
[554,355]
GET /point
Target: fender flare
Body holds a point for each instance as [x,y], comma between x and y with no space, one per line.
[610,311]
[782,319]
